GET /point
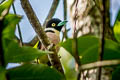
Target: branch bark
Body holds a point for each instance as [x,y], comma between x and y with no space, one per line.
[41,34]
[49,16]
[65,18]
[100,64]
[51,12]
[18,25]
[102,41]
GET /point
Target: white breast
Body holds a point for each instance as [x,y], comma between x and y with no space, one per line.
[55,39]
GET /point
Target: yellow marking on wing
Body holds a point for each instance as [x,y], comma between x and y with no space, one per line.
[36,45]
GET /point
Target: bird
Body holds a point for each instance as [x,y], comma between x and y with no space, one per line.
[52,30]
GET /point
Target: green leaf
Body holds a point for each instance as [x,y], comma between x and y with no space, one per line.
[2,73]
[116,28]
[9,24]
[84,43]
[112,50]
[116,74]
[35,72]
[88,49]
[14,53]
[67,45]
[5,5]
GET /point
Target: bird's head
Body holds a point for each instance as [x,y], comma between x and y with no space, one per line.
[56,24]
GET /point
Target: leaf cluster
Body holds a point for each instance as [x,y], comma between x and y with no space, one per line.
[89,47]
[14,53]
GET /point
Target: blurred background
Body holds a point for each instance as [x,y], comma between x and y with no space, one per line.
[41,8]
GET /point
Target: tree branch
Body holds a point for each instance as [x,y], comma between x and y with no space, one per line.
[65,18]
[41,34]
[100,64]
[102,41]
[49,16]
[34,22]
[108,29]
[52,11]
[18,25]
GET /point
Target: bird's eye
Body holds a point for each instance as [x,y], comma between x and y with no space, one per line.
[53,24]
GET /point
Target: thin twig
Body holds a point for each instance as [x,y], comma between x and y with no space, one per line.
[75,52]
[75,42]
[65,18]
[102,36]
[65,9]
[100,64]
[34,22]
[41,34]
[102,41]
[52,11]
[19,31]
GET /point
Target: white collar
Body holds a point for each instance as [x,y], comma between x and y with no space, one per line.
[52,29]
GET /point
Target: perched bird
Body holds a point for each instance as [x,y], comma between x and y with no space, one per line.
[53,28]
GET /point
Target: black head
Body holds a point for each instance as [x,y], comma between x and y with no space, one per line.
[53,23]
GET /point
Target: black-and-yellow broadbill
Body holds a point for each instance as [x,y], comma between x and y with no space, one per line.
[53,28]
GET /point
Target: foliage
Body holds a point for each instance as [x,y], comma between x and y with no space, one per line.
[117,27]
[35,72]
[2,73]
[14,53]
[5,5]
[88,49]
[116,74]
